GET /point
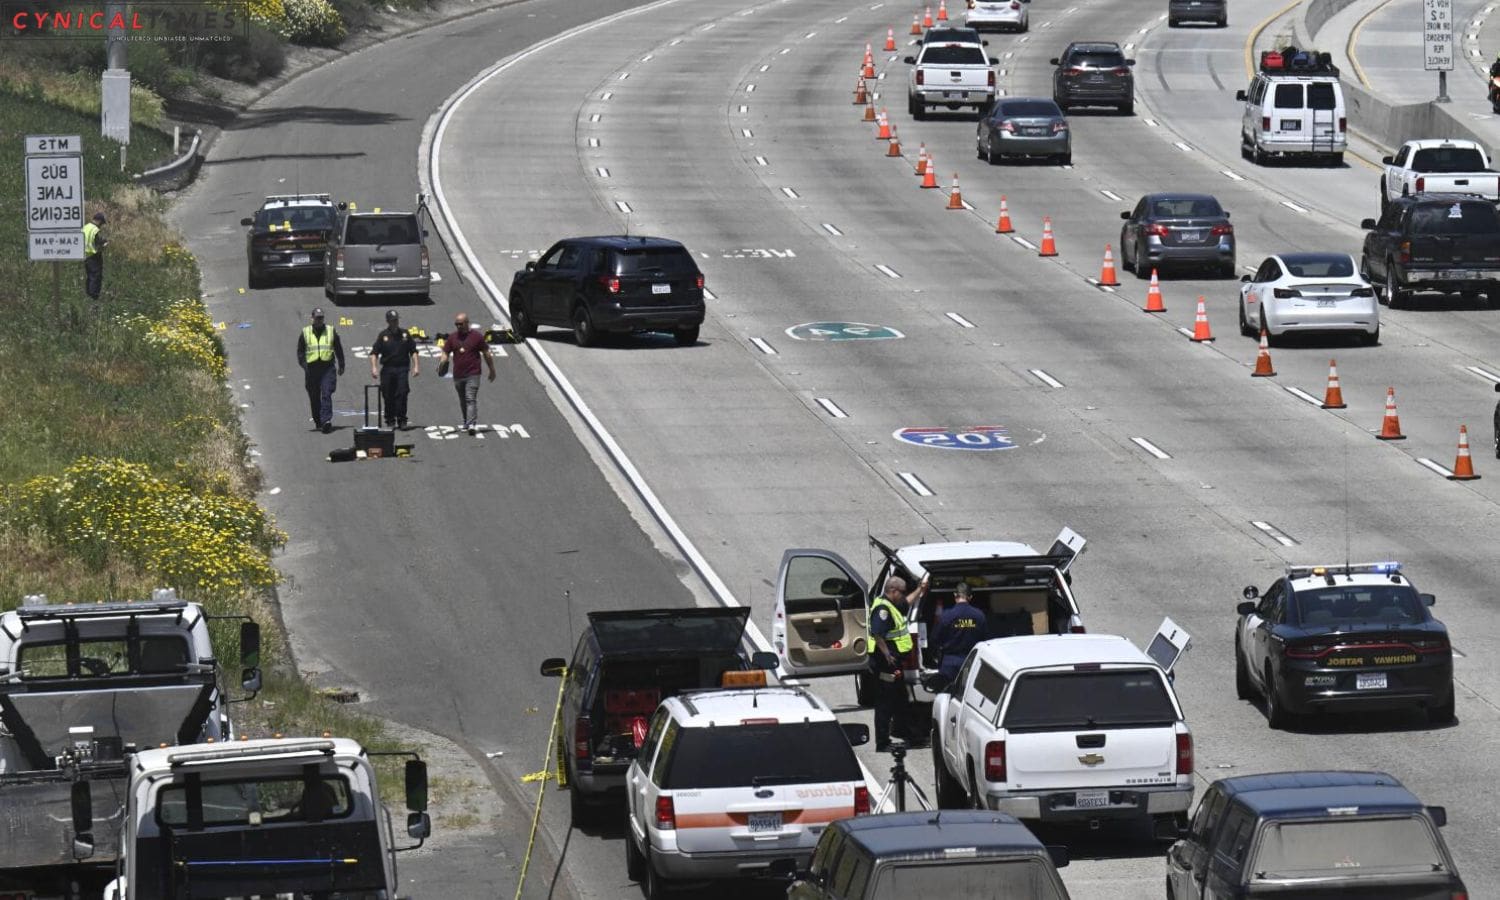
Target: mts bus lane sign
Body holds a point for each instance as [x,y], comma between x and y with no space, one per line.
[54,196]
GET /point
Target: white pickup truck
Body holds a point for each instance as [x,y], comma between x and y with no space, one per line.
[1439,167]
[1058,728]
[950,75]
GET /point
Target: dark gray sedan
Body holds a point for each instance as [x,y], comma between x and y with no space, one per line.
[1178,229]
[1024,126]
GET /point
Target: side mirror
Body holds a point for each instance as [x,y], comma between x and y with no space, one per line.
[1240,95]
[994,61]
[1388,160]
[343,206]
[426,233]
[1059,854]
[416,785]
[250,681]
[82,802]
[1129,62]
[1245,608]
[1428,599]
[530,265]
[1251,592]
[1367,224]
[765,660]
[1053,62]
[909,60]
[554,667]
[250,677]
[1497,387]
[247,221]
[858,733]
[418,826]
[1245,279]
[1439,815]
[1226,213]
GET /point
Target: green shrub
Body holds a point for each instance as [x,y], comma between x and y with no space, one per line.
[314,23]
[355,13]
[251,57]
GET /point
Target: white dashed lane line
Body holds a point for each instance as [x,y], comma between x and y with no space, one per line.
[887,271]
[749,88]
[1023,242]
[1150,448]
[790,193]
[1152,123]
[1044,378]
[593,142]
[603,172]
[1112,195]
[595,117]
[622,206]
[959,320]
[916,485]
[785,50]
[1486,374]
[1446,473]
[832,230]
[606,95]
[761,161]
[746,132]
[647,57]
[1229,173]
[762,346]
[1183,147]
[744,108]
[675,42]
[1302,395]
[1275,534]
[765,67]
[831,408]
[1292,206]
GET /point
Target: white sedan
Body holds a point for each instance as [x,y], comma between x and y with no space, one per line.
[1308,292]
[998,14]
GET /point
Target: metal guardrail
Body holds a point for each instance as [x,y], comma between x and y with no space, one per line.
[177,172]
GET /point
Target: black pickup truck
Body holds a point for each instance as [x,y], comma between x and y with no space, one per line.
[1433,242]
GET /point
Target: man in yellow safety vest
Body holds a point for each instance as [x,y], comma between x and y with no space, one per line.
[94,243]
[318,350]
[890,632]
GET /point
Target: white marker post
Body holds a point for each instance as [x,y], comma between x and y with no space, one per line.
[1437,42]
[54,204]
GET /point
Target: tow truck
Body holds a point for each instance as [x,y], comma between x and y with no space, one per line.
[82,688]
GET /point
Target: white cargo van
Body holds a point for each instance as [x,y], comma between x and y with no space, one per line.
[1294,109]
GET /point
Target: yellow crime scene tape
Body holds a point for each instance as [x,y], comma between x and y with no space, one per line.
[553,757]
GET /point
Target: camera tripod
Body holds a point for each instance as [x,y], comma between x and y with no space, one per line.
[899,781]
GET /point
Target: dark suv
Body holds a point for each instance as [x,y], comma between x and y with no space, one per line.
[288,235]
[1433,242]
[1215,11]
[625,664]
[1094,74]
[596,285]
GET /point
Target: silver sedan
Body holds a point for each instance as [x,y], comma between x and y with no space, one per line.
[1024,126]
[1308,292]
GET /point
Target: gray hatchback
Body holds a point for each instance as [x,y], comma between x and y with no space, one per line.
[377,254]
[1180,229]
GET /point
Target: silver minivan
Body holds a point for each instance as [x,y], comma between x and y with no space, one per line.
[377,253]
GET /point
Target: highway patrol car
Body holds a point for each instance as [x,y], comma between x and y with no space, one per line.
[1328,638]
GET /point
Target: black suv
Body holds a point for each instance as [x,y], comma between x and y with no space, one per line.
[1312,835]
[1215,11]
[1094,74]
[1433,242]
[596,285]
[954,853]
[288,235]
[625,664]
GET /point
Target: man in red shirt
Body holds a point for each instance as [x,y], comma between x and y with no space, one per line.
[463,348]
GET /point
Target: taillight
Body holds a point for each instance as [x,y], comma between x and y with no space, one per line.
[426,260]
[1221,229]
[992,78]
[338,261]
[1265,123]
[666,815]
[1059,127]
[1343,124]
[1077,629]
[1436,645]
[1075,70]
[1308,651]
[920,79]
[700,282]
[1184,754]
[1362,292]
[1158,230]
[1421,184]
[1120,71]
[1008,127]
[994,761]
[1015,5]
[861,800]
[582,731]
[1286,293]
[1405,249]
[611,283]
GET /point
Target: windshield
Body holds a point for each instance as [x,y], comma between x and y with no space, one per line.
[259,801]
[1460,217]
[150,655]
[1319,265]
[1346,848]
[996,879]
[953,56]
[301,218]
[754,755]
[1448,159]
[1393,604]
[1117,698]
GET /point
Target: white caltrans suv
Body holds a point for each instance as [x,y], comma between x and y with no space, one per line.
[1080,728]
[730,780]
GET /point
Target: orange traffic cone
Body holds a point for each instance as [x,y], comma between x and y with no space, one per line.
[890,39]
[1334,398]
[861,93]
[883,132]
[929,177]
[1107,275]
[1049,246]
[916,24]
[1463,467]
[927,18]
[942,10]
[868,70]
[1003,226]
[1390,427]
[955,199]
[869,54]
[869,109]
[1153,296]
[922,159]
[1263,358]
[1200,324]
[895,146]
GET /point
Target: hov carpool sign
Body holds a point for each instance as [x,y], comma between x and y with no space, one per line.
[842,331]
[54,196]
[973,437]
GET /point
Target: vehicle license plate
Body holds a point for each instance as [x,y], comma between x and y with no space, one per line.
[661,289]
[382,267]
[1323,304]
[1090,799]
[301,259]
[1291,124]
[1369,681]
[1038,132]
[1191,234]
[1096,77]
[954,95]
[765,821]
[1457,274]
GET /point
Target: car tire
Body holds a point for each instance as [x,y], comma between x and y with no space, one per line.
[1385,198]
[1444,713]
[584,333]
[911,106]
[1127,108]
[1173,23]
[1066,159]
[255,279]
[1276,712]
[1336,160]
[971,791]
[1223,22]
[918,110]
[1257,155]
[1226,269]
[864,689]
[950,794]
[1244,688]
[1470,296]
[1370,338]
[635,863]
[1272,340]
[990,156]
[578,807]
[1142,269]
[1249,332]
[686,337]
[520,317]
[1395,295]
[655,886]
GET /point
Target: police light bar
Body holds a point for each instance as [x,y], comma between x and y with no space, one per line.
[188,757]
[288,198]
[99,610]
[1370,568]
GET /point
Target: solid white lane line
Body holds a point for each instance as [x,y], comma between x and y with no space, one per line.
[916,485]
[603,172]
[761,161]
[622,206]
[1228,173]
[887,271]
[832,230]
[1446,473]
[1484,373]
[1112,195]
[1303,395]
[764,347]
[1292,206]
[789,192]
[959,320]
[746,132]
[1046,379]
[1151,448]
[1275,533]
[831,408]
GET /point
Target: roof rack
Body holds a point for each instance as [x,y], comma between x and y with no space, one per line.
[205,753]
[100,610]
[1291,61]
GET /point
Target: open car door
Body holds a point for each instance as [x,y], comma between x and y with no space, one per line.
[1069,544]
[821,625]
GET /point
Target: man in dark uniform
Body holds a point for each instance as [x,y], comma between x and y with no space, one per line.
[318,350]
[960,627]
[392,358]
[892,639]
